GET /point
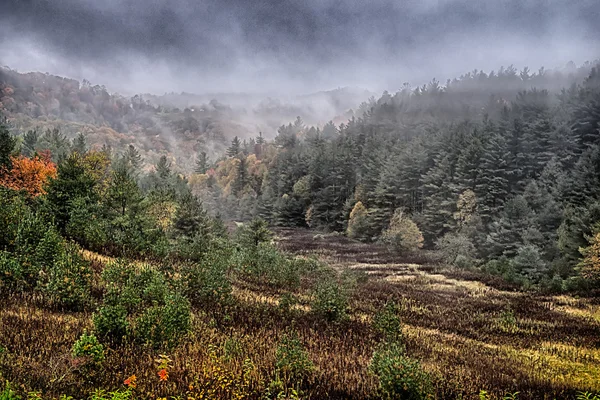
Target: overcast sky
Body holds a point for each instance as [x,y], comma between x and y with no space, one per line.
[294,46]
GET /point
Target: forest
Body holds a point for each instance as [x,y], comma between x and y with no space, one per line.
[442,242]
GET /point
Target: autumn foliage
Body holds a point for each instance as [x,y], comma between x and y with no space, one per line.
[590,264]
[28,174]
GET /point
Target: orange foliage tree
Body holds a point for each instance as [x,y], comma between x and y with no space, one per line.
[29,174]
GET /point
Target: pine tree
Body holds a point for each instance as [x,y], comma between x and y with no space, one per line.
[72,182]
[260,140]
[133,158]
[586,116]
[201,163]
[163,183]
[508,231]
[191,219]
[7,145]
[123,195]
[493,186]
[80,144]
[241,178]
[57,143]
[30,140]
[235,148]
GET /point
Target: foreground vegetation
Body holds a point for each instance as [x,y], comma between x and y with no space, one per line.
[308,337]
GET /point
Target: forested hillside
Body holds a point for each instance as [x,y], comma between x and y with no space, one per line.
[175,125]
[497,170]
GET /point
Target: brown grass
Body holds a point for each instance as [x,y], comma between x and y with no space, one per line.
[457,323]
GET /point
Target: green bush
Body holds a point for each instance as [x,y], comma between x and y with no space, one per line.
[110,322]
[166,324]
[286,302]
[330,300]
[12,210]
[265,264]
[8,393]
[587,396]
[387,322]
[206,285]
[292,359]
[12,274]
[254,233]
[528,263]
[36,247]
[143,304]
[88,347]
[400,377]
[69,280]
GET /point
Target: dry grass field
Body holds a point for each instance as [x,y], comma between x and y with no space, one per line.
[470,332]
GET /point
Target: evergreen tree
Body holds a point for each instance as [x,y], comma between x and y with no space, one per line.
[57,143]
[260,140]
[191,219]
[493,183]
[71,183]
[133,158]
[201,163]
[235,148]
[123,195]
[30,140]
[241,177]
[7,145]
[80,144]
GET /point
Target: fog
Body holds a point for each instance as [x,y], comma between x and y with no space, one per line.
[289,47]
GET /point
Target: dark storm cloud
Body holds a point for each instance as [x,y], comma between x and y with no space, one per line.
[297,45]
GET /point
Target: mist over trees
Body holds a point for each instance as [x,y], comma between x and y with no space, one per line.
[496,170]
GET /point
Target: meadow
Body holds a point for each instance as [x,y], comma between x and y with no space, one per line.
[475,336]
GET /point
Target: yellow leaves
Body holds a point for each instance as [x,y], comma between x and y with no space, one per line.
[590,265]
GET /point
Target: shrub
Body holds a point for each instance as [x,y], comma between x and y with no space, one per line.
[12,274]
[400,377]
[110,322]
[164,325]
[69,281]
[330,301]
[12,210]
[292,359]
[402,234]
[36,245]
[8,393]
[254,233]
[387,322]
[206,283]
[88,347]
[265,264]
[587,396]
[143,304]
[286,302]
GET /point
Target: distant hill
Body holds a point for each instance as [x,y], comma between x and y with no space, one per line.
[179,125]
